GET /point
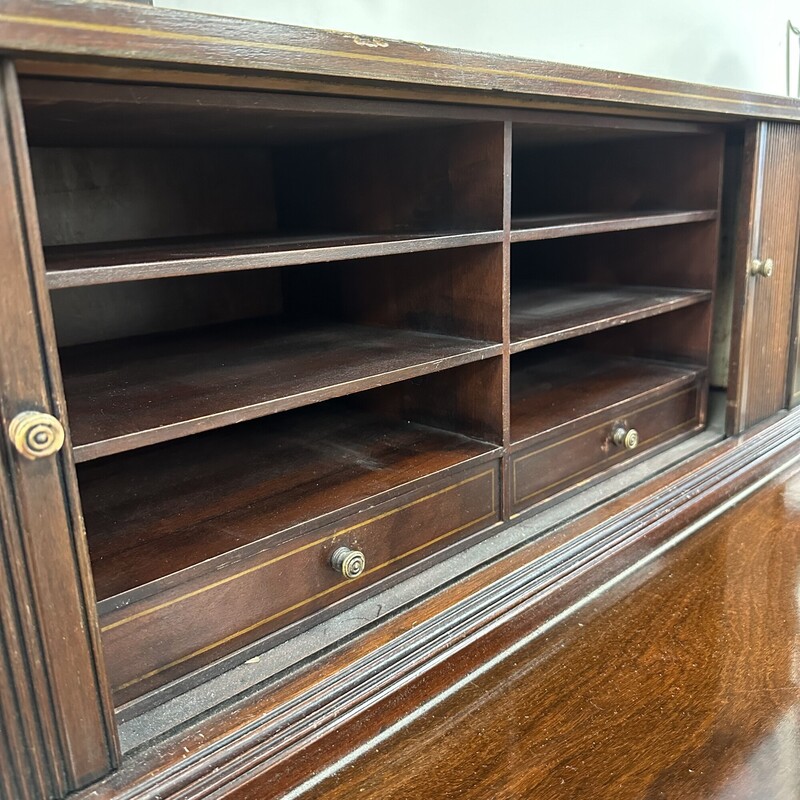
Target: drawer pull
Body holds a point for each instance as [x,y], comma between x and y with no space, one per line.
[347,562]
[36,434]
[764,268]
[625,437]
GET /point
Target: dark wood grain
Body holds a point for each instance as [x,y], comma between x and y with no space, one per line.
[269,589]
[152,513]
[442,179]
[57,728]
[552,313]
[86,113]
[141,391]
[763,306]
[677,256]
[160,38]
[678,682]
[554,465]
[277,737]
[130,112]
[555,226]
[648,174]
[127,261]
[569,390]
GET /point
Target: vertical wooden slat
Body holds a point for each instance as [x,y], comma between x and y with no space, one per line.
[506,377]
[54,702]
[763,306]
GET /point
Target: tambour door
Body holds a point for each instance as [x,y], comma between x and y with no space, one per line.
[56,727]
[766,255]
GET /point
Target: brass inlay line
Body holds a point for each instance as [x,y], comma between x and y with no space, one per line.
[317,596]
[433,65]
[256,567]
[607,460]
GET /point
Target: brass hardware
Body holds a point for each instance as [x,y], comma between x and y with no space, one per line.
[764,268]
[347,562]
[36,434]
[625,437]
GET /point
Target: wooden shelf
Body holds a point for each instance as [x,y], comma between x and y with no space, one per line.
[549,314]
[87,265]
[135,392]
[152,513]
[554,226]
[569,388]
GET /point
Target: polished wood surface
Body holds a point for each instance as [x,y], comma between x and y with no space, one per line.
[678,682]
[281,734]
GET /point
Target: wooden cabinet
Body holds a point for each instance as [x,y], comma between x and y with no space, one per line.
[310,347]
[765,273]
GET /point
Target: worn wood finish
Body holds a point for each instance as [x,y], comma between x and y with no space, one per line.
[557,226]
[569,391]
[677,682]
[132,111]
[69,266]
[157,38]
[553,313]
[347,195]
[58,733]
[553,465]
[264,591]
[184,383]
[162,510]
[275,738]
[763,306]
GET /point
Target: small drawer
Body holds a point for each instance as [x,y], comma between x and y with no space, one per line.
[172,632]
[555,464]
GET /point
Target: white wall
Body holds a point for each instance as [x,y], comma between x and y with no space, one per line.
[738,43]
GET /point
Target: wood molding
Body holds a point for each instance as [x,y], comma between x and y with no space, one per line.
[275,739]
[107,32]
[55,709]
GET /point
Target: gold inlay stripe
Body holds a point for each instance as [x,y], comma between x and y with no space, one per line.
[596,464]
[317,596]
[207,587]
[128,31]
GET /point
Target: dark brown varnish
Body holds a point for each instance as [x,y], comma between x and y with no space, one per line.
[678,682]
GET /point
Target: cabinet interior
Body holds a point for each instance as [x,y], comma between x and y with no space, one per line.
[277,314]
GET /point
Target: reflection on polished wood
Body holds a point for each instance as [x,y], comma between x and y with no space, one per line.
[682,681]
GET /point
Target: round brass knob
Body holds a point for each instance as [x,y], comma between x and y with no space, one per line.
[764,268]
[36,434]
[347,562]
[625,437]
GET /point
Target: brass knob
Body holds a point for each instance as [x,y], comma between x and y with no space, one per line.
[36,434]
[764,268]
[625,437]
[347,562]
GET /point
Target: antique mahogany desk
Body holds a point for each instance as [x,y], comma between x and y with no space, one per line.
[326,359]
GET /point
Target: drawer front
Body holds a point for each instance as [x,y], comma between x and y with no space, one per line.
[171,633]
[555,465]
